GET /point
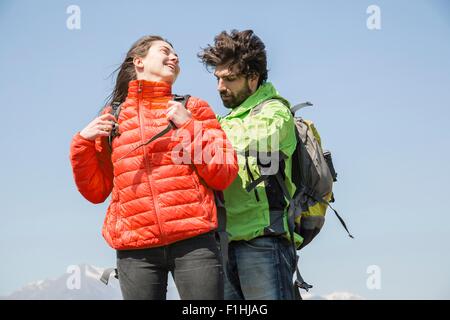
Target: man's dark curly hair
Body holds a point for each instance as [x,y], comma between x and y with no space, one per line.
[242,49]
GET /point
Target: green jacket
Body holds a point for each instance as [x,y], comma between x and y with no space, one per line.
[271,129]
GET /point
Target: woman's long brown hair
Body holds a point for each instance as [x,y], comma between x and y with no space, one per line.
[126,71]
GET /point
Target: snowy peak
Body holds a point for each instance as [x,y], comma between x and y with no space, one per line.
[78,282]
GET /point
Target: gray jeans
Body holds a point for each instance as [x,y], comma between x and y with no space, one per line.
[195,265]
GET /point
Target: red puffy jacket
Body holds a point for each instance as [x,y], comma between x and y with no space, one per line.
[155,200]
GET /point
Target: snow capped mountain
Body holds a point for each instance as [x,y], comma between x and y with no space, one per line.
[82,282]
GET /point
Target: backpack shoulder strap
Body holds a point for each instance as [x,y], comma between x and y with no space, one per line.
[260,106]
[115,107]
[115,111]
[293,109]
[182,99]
[178,98]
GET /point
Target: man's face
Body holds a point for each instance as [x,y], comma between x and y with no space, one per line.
[233,87]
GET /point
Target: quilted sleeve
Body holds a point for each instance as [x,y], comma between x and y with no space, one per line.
[207,146]
[92,168]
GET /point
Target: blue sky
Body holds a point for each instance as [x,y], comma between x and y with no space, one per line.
[382,106]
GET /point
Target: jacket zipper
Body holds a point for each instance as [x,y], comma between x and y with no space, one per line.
[147,167]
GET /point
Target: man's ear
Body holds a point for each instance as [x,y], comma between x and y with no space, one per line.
[253,80]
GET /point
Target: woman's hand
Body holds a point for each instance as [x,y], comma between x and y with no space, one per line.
[99,127]
[178,114]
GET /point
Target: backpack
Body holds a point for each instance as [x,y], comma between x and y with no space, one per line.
[221,234]
[313,175]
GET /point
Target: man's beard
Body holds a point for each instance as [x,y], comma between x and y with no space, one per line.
[232,101]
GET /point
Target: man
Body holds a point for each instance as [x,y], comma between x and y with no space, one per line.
[261,259]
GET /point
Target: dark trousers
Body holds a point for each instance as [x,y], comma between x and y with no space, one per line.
[195,265]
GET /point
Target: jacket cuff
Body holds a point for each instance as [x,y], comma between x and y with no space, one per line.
[97,143]
[80,140]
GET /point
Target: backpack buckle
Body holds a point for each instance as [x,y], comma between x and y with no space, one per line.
[302,285]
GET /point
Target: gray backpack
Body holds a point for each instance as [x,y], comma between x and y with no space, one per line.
[313,174]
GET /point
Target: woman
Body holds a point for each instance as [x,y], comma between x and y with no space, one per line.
[162,214]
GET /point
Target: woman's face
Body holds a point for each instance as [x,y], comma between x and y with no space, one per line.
[160,64]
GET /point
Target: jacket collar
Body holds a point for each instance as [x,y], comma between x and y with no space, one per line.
[265,92]
[148,89]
